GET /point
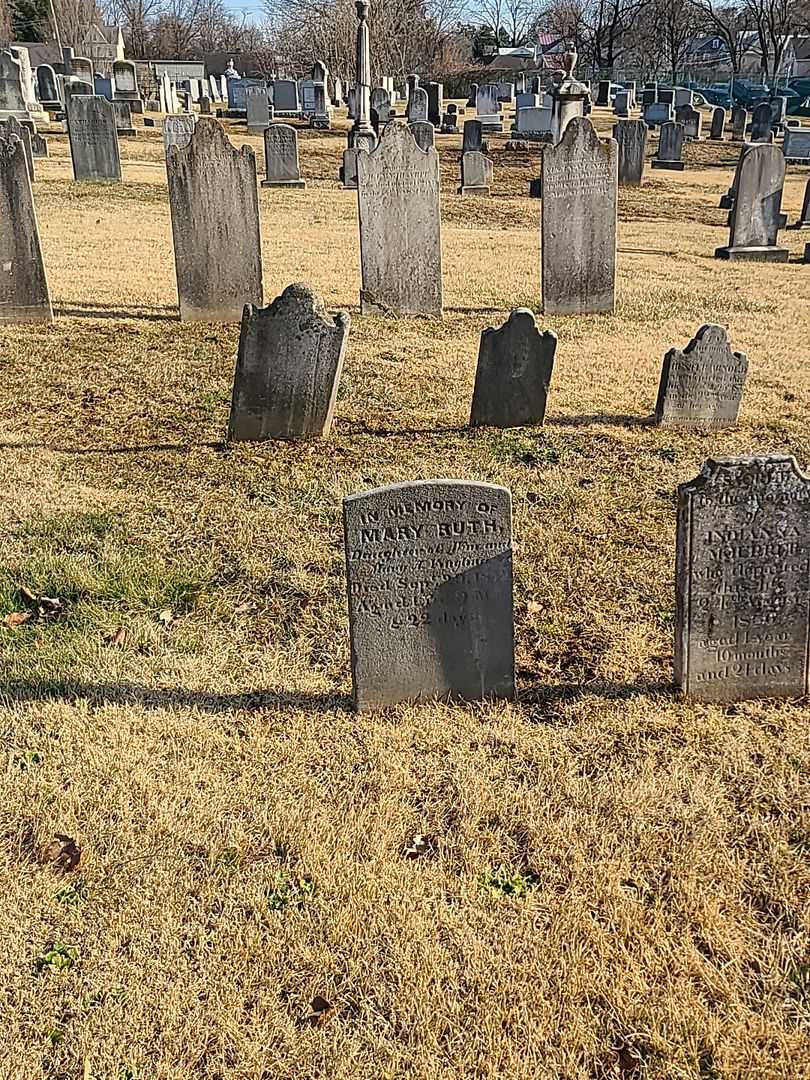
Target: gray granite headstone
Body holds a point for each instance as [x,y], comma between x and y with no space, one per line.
[288,368]
[93,138]
[761,122]
[213,198]
[579,182]
[476,173]
[756,215]
[400,227]
[257,107]
[285,95]
[281,157]
[670,148]
[742,583]
[691,119]
[472,138]
[435,93]
[24,296]
[429,574]
[796,146]
[718,124]
[515,361]
[739,122]
[424,133]
[702,385]
[631,139]
[658,113]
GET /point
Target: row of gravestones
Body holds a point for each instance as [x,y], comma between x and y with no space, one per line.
[430,595]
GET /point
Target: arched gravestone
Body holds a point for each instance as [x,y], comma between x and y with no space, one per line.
[400,227]
[515,362]
[702,385]
[718,124]
[177,130]
[579,182]
[670,148]
[429,574]
[214,203]
[742,581]
[631,140]
[12,126]
[281,157]
[24,296]
[423,132]
[12,96]
[93,138]
[476,173]
[288,368]
[761,123]
[739,122]
[418,105]
[46,85]
[756,215]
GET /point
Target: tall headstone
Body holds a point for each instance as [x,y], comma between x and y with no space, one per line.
[718,124]
[288,368]
[472,96]
[362,135]
[400,227]
[24,296]
[435,93]
[429,574]
[739,122]
[670,148]
[476,173]
[702,385]
[579,182]
[125,78]
[12,97]
[281,157]
[213,198]
[603,92]
[621,103]
[93,138]
[756,216]
[515,362]
[761,123]
[47,87]
[742,588]
[631,139]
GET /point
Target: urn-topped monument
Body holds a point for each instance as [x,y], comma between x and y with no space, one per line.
[568,95]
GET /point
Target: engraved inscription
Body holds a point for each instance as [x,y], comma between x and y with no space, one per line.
[703,385]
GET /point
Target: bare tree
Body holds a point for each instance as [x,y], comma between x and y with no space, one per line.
[775,22]
[75,18]
[675,20]
[518,18]
[726,20]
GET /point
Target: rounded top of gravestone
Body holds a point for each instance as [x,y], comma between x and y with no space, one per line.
[303,299]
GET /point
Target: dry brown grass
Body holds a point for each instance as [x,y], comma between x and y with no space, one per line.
[616,883]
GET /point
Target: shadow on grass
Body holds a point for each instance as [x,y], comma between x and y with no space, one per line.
[72,309]
[615,420]
[69,690]
[559,693]
[148,448]
[387,433]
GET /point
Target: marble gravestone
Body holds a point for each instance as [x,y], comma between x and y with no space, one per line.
[93,138]
[513,374]
[756,215]
[631,139]
[691,119]
[24,296]
[429,576]
[476,173]
[47,89]
[257,107]
[742,588]
[718,124]
[702,385]
[12,126]
[739,122]
[423,132]
[400,227]
[177,130]
[281,157]
[381,103]
[761,123]
[123,118]
[288,368]
[12,94]
[213,199]
[418,105]
[579,182]
[670,148]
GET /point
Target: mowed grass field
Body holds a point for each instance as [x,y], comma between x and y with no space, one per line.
[211,867]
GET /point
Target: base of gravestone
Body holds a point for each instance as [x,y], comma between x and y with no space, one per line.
[284,183]
[752,254]
[473,189]
[673,166]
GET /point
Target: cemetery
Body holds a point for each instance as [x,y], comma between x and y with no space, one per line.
[405,595]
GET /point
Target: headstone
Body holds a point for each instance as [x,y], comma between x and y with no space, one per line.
[285,96]
[418,105]
[424,133]
[476,173]
[472,97]
[214,206]
[177,131]
[742,595]
[803,221]
[683,96]
[435,93]
[281,157]
[288,368]
[691,120]
[47,86]
[400,227]
[39,146]
[82,68]
[579,181]
[506,92]
[515,361]
[24,296]
[657,113]
[621,103]
[23,57]
[213,84]
[718,124]
[123,118]
[796,146]
[666,97]
[125,79]
[778,111]
[12,126]
[649,94]
[93,138]
[237,93]
[205,105]
[471,138]
[670,148]
[381,102]
[450,121]
[761,123]
[631,139]
[258,108]
[486,100]
[603,92]
[756,216]
[701,386]
[533,124]
[526,101]
[739,122]
[429,574]
[12,97]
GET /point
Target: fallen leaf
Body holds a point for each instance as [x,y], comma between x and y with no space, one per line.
[166,616]
[533,608]
[16,618]
[419,845]
[320,1010]
[248,608]
[117,639]
[28,597]
[46,607]
[64,852]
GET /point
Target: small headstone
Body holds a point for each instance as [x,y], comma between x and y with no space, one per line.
[424,133]
[796,146]
[39,146]
[476,173]
[257,107]
[213,198]
[24,296]
[429,574]
[631,139]
[756,216]
[691,120]
[515,361]
[739,122]
[471,138]
[718,124]
[177,130]
[579,180]
[742,593]
[418,106]
[400,227]
[670,148]
[657,113]
[761,123]
[93,138]
[281,157]
[123,118]
[288,368]
[702,385]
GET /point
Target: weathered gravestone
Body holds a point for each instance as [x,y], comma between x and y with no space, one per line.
[476,173]
[93,138]
[739,122]
[691,119]
[702,385]
[24,293]
[257,107]
[418,105]
[12,126]
[423,132]
[214,206]
[281,157]
[756,216]
[513,375]
[381,103]
[472,136]
[400,227]
[12,93]
[39,146]
[761,123]
[177,130]
[288,368]
[429,573]
[631,139]
[47,86]
[742,583]
[718,124]
[803,221]
[579,183]
[123,118]
[435,93]
[796,146]
[670,148]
